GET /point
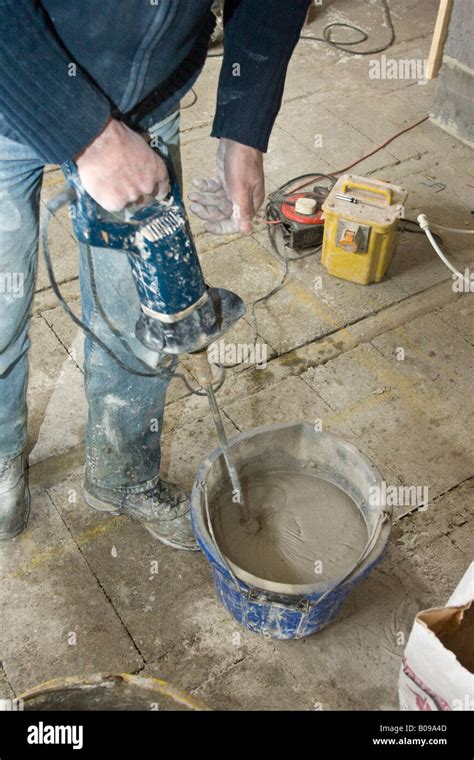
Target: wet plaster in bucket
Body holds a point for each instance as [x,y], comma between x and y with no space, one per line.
[310,530]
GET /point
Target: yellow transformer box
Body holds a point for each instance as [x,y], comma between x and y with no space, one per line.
[360,228]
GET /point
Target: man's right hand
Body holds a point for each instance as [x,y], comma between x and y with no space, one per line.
[119,168]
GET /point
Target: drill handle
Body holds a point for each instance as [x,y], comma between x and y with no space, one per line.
[202,368]
[96,226]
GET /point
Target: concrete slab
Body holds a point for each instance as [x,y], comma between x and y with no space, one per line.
[240,261]
[147,583]
[415,266]
[57,619]
[184,450]
[241,348]
[316,65]
[442,190]
[345,381]
[329,142]
[461,537]
[435,353]
[290,157]
[237,385]
[448,516]
[443,565]
[45,299]
[460,316]
[399,438]
[287,401]
[55,394]
[5,689]
[390,113]
[315,303]
[63,251]
[245,261]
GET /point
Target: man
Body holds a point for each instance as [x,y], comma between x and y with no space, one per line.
[89,81]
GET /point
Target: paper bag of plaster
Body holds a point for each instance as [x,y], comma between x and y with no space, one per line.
[438,664]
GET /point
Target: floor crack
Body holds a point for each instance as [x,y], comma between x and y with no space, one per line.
[2,668]
[70,356]
[99,583]
[217,675]
[48,287]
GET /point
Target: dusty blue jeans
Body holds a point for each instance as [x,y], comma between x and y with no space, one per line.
[125,410]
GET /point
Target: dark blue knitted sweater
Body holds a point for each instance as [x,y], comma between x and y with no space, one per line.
[66,66]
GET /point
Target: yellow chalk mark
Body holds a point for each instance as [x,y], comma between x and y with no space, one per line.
[328,315]
[359,406]
[55,552]
[423,403]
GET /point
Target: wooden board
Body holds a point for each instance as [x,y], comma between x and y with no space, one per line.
[439,37]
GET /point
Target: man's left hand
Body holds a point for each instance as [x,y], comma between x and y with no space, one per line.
[229,202]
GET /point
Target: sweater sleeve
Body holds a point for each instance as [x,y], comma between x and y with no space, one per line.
[46,100]
[259,39]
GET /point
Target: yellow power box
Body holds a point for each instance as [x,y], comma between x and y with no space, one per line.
[360,227]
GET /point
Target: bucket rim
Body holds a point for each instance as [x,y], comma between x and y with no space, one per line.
[250,581]
[152,684]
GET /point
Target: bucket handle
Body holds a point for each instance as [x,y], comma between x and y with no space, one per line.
[239,588]
[302,604]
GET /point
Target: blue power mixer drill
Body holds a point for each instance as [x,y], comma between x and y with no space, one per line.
[179,313]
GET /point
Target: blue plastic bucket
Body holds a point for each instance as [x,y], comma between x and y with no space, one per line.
[280,610]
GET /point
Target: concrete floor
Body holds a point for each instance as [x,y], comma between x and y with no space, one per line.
[333,356]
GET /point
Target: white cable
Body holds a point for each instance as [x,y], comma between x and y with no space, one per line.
[450,229]
[425,226]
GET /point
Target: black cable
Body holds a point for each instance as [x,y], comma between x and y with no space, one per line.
[118,334]
[290,182]
[193,92]
[340,45]
[112,326]
[284,260]
[65,306]
[278,195]
[68,196]
[216,386]
[418,231]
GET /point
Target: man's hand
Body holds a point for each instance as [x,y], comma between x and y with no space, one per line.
[229,202]
[119,168]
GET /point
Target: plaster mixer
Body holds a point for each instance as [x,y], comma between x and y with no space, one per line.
[179,312]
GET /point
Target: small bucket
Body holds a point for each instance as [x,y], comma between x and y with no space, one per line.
[281,610]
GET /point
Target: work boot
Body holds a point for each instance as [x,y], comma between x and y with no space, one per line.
[164,511]
[14,497]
